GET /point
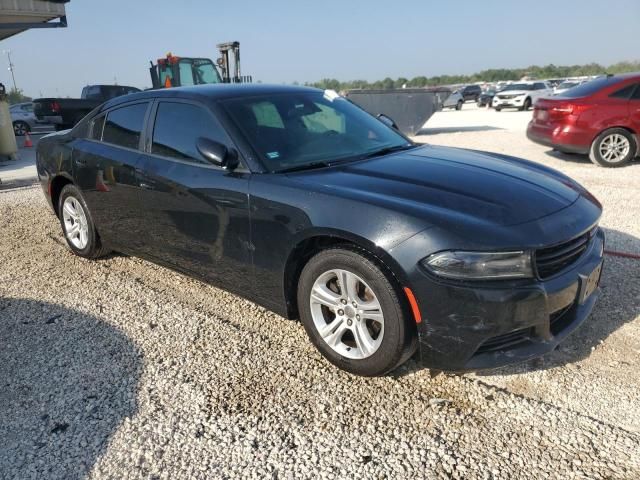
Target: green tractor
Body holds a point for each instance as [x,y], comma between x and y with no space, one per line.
[174,71]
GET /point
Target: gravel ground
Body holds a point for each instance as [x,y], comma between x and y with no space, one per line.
[119,368]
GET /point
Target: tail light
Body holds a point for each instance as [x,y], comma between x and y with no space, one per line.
[564,109]
[55,107]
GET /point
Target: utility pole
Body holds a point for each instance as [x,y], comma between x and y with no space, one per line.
[8,52]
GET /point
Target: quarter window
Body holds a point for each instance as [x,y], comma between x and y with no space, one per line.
[636,94]
[124,125]
[178,127]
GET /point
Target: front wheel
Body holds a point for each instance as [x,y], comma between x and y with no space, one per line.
[613,148]
[459,105]
[527,104]
[77,224]
[353,314]
[20,128]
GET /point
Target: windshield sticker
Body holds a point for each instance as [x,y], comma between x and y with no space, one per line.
[273,155]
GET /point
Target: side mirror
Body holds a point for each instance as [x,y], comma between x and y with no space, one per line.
[217,153]
[388,121]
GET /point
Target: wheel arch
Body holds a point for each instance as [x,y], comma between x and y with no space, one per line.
[318,241]
[56,185]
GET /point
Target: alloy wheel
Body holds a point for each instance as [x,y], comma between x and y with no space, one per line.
[614,148]
[347,314]
[76,226]
[20,129]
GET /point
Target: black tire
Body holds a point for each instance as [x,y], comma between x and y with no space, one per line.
[459,105]
[399,339]
[596,157]
[94,248]
[20,128]
[526,105]
[497,109]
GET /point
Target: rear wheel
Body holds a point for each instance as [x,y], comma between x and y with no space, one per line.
[20,128]
[77,224]
[352,313]
[613,148]
[459,105]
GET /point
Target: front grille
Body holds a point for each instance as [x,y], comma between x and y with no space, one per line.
[507,340]
[506,97]
[552,260]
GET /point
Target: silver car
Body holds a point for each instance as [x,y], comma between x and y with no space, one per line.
[22,117]
[455,100]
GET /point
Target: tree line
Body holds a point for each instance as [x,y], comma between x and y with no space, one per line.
[489,75]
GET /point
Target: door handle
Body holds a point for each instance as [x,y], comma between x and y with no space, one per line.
[146,186]
[81,161]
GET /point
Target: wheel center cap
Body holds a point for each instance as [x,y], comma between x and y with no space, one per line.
[350,311]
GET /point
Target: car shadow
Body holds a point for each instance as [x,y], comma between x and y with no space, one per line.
[67,381]
[437,130]
[568,157]
[619,303]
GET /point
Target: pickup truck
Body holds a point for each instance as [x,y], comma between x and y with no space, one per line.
[66,112]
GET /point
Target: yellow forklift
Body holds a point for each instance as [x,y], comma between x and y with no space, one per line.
[174,71]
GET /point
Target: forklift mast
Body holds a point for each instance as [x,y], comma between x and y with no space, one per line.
[173,71]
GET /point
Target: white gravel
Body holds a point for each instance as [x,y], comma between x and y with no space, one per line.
[122,369]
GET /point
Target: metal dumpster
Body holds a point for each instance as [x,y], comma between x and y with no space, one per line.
[410,108]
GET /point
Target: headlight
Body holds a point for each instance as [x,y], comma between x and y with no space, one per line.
[480,265]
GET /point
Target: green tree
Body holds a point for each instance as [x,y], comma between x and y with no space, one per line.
[16,96]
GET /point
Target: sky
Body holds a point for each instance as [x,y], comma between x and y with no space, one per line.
[283,41]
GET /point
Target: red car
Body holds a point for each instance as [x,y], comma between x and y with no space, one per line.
[600,117]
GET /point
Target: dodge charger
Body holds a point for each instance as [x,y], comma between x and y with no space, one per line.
[300,201]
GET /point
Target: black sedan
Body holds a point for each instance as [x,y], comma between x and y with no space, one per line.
[301,202]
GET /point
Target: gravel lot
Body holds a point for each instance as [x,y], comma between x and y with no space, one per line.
[122,369]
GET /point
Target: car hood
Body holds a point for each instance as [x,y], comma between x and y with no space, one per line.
[434,182]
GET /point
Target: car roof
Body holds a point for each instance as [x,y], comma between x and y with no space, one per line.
[218,91]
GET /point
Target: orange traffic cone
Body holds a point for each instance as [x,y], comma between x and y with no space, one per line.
[27,140]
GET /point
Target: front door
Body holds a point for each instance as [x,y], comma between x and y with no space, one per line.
[198,213]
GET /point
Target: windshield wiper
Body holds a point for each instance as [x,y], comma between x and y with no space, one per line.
[387,150]
[306,166]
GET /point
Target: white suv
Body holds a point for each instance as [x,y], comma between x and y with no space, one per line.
[521,95]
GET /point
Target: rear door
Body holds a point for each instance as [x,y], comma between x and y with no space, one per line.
[634,109]
[197,213]
[104,166]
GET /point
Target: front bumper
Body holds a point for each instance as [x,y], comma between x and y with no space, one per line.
[473,326]
[516,102]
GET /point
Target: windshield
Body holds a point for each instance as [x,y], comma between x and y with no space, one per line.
[518,86]
[197,71]
[296,130]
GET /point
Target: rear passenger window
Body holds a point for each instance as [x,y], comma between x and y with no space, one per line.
[178,127]
[96,128]
[636,94]
[623,92]
[124,125]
